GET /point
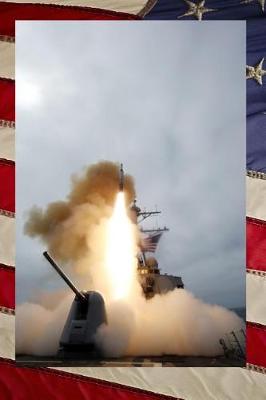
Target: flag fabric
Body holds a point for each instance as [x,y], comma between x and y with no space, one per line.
[140,383]
[149,244]
[204,10]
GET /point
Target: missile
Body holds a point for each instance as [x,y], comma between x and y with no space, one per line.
[121,178]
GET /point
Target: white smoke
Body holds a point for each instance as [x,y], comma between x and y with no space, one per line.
[38,328]
[172,323]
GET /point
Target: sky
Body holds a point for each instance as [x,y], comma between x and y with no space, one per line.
[165,98]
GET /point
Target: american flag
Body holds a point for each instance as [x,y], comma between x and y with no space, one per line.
[140,383]
[149,244]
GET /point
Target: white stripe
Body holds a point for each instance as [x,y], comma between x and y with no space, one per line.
[7,60]
[7,143]
[7,240]
[131,6]
[7,336]
[187,383]
[256,304]
[256,198]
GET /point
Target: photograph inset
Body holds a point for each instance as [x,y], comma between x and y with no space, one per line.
[130,194]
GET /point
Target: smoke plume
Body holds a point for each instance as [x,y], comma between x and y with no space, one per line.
[171,323]
[67,227]
[74,231]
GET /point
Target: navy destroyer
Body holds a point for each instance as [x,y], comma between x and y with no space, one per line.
[149,274]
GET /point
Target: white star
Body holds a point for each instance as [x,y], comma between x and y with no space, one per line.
[196,9]
[262,3]
[256,72]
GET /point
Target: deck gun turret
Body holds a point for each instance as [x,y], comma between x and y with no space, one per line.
[86,314]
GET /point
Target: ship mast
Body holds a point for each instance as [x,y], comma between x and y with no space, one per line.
[142,215]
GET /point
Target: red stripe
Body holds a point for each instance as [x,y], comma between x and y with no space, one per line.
[7,98]
[14,11]
[42,384]
[7,292]
[7,185]
[256,344]
[256,244]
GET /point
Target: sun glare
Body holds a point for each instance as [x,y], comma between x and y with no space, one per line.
[28,94]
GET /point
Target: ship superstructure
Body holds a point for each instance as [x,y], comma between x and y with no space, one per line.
[150,277]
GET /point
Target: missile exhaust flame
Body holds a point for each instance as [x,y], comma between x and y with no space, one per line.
[121,262]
